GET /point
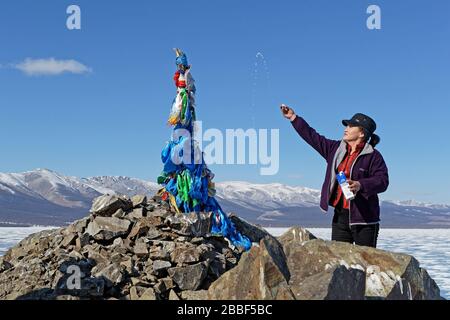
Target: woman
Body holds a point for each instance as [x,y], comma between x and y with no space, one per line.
[358,220]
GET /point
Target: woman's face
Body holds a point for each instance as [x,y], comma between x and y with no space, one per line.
[352,133]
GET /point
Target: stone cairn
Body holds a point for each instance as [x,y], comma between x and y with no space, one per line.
[139,249]
[128,249]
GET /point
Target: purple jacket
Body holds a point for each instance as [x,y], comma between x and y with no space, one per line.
[369,169]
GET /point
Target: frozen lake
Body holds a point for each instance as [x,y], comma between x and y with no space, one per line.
[430,246]
[11,236]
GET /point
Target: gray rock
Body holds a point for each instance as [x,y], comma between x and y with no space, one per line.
[140,283]
[173,222]
[200,223]
[82,240]
[185,255]
[205,249]
[136,292]
[159,266]
[75,255]
[197,240]
[68,240]
[107,205]
[200,295]
[140,249]
[155,220]
[338,283]
[78,226]
[139,200]
[118,242]
[128,264]
[159,253]
[94,253]
[386,272]
[119,214]
[144,227]
[173,296]
[149,294]
[4,265]
[161,213]
[138,213]
[153,233]
[253,232]
[168,283]
[295,235]
[259,275]
[160,287]
[168,246]
[190,277]
[150,277]
[108,228]
[275,250]
[112,274]
[217,264]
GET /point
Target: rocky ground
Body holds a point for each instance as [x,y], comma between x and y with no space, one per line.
[139,249]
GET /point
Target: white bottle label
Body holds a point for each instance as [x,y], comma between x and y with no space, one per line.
[348,194]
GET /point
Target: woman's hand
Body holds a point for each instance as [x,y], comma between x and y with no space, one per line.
[354,186]
[287,112]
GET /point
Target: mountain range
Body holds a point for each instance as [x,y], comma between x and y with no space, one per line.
[45,197]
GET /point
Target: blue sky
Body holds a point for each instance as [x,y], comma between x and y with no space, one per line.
[321,60]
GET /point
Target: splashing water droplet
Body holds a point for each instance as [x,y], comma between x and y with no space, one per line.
[258,59]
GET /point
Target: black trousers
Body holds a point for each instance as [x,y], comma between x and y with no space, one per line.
[362,235]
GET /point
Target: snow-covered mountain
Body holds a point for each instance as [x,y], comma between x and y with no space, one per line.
[414,203]
[46,197]
[121,185]
[268,196]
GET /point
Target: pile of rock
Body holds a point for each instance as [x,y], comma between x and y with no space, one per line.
[126,249]
[138,249]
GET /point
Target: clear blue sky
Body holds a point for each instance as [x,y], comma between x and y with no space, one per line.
[321,60]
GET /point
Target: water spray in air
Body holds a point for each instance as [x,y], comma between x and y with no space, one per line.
[260,67]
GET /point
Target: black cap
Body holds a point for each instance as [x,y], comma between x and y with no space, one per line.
[361,120]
